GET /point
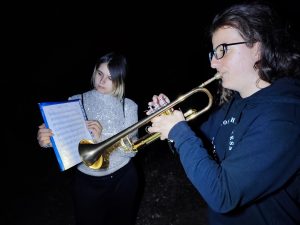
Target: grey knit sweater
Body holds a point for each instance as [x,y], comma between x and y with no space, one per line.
[108,110]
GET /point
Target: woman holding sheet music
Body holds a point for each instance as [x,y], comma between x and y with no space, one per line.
[105,196]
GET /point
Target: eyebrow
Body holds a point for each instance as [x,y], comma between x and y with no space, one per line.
[99,71]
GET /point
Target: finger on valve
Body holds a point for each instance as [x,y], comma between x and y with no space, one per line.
[157,103]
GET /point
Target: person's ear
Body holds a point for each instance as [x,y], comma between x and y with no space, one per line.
[256,52]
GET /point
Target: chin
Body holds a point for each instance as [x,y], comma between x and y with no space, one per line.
[226,84]
[100,90]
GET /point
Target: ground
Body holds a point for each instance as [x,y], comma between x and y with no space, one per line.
[167,197]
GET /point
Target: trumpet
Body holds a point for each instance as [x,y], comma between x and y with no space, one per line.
[96,156]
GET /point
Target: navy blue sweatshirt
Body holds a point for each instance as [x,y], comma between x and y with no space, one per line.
[256,176]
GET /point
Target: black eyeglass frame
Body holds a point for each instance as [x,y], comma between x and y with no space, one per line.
[224,47]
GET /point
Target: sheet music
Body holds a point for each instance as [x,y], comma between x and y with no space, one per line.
[67,121]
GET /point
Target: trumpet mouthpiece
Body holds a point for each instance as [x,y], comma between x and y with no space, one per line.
[217,75]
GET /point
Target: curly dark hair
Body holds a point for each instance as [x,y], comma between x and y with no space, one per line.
[259,22]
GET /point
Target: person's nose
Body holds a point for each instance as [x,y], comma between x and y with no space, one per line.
[103,79]
[214,63]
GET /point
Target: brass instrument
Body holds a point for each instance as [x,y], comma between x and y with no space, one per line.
[96,156]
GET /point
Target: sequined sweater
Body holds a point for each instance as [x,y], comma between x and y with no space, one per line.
[108,110]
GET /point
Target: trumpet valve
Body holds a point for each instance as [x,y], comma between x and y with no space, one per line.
[126,144]
[189,112]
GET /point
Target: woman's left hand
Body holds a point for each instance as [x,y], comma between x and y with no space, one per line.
[96,128]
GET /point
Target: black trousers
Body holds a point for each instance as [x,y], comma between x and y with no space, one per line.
[107,200]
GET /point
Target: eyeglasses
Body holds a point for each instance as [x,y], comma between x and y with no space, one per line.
[221,49]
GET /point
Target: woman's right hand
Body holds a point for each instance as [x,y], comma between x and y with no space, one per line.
[43,136]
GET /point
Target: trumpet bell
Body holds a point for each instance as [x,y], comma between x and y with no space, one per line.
[98,164]
[88,145]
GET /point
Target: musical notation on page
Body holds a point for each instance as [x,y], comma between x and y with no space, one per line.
[67,121]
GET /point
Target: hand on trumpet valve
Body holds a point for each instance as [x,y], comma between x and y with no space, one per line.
[164,123]
[158,101]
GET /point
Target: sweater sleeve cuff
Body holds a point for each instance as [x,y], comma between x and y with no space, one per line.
[179,129]
[180,132]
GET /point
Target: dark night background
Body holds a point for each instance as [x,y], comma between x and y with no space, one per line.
[49,50]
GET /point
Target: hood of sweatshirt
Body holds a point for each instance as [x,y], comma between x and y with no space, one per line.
[281,92]
[279,101]
[284,90]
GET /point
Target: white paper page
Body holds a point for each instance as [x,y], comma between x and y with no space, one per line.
[67,121]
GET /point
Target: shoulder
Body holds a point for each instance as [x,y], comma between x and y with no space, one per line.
[79,96]
[130,103]
[280,112]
